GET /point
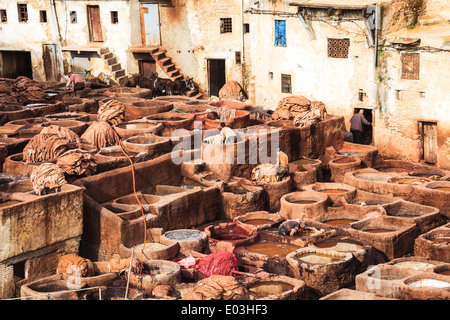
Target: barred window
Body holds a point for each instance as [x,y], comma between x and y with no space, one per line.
[410,66]
[280,33]
[23,12]
[238,57]
[226,25]
[286,85]
[338,48]
[3,16]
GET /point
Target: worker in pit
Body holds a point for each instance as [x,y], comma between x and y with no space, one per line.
[76,82]
[228,134]
[291,227]
[282,165]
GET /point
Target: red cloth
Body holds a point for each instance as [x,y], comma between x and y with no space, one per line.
[221,263]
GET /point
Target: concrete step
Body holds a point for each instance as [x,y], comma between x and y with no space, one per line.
[158,55]
[179,77]
[169,68]
[107,55]
[165,61]
[111,61]
[173,74]
[119,73]
[115,67]
[120,79]
[104,50]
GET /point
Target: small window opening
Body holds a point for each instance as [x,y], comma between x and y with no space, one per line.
[114,17]
[280,33]
[338,48]
[19,271]
[43,16]
[3,16]
[246,28]
[238,57]
[73,17]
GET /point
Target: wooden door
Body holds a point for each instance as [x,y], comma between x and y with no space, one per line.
[430,142]
[95,27]
[150,28]
[216,76]
[147,67]
[50,62]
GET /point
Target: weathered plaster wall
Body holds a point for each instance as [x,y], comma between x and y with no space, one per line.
[336,82]
[117,37]
[190,32]
[28,36]
[403,103]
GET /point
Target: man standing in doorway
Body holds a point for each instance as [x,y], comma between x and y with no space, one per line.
[357,123]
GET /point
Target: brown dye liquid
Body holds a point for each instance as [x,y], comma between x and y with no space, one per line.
[377,230]
[137,125]
[445,272]
[333,191]
[303,161]
[258,222]
[441,240]
[320,258]
[337,222]
[229,237]
[9,203]
[273,249]
[303,201]
[144,140]
[267,288]
[446,189]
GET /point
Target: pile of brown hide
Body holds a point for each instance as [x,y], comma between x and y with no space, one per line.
[300,109]
[46,177]
[232,90]
[101,134]
[111,111]
[77,162]
[216,287]
[21,91]
[49,144]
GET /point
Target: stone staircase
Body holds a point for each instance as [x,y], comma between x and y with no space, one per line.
[113,65]
[170,69]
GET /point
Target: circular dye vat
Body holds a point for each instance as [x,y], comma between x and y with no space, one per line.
[303,161]
[342,246]
[136,125]
[267,288]
[408,181]
[257,222]
[229,237]
[373,177]
[151,246]
[183,235]
[446,189]
[441,240]
[303,201]
[429,283]
[333,191]
[9,203]
[415,265]
[377,230]
[318,258]
[272,249]
[338,222]
[118,154]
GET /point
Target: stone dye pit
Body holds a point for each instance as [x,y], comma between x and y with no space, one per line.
[197,225]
